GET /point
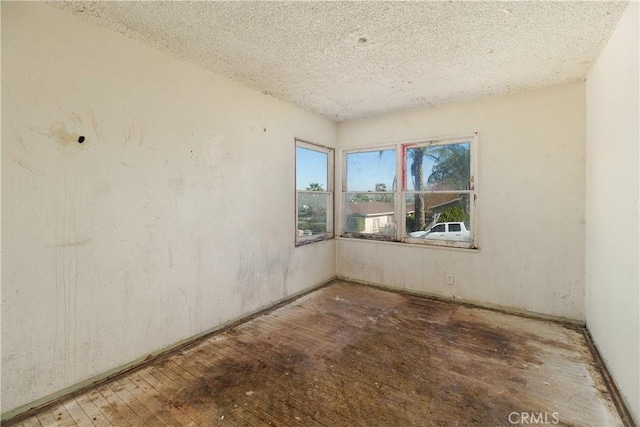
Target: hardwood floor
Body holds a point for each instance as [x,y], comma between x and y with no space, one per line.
[350,355]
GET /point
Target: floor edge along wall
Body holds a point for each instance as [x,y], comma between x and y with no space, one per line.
[24,411]
[49,401]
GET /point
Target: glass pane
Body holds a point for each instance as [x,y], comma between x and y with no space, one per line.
[370,213]
[438,167]
[312,214]
[428,215]
[311,170]
[371,171]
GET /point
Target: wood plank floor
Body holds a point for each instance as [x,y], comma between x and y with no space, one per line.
[351,355]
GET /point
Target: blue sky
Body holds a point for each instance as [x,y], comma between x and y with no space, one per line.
[311,166]
[427,165]
[364,170]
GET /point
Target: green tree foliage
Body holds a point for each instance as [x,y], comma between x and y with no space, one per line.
[355,224]
[312,211]
[318,227]
[453,214]
[361,197]
[364,197]
[451,171]
[451,166]
[314,186]
[384,198]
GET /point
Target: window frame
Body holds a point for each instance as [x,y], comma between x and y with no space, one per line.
[344,193]
[330,152]
[400,192]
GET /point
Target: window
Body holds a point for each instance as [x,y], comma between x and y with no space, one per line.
[368,197]
[420,193]
[314,192]
[438,191]
[438,229]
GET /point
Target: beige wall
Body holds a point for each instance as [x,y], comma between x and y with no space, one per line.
[613,213]
[169,220]
[531,196]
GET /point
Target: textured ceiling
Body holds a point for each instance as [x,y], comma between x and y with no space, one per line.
[351,59]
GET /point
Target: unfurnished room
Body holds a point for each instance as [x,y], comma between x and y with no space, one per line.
[318,213]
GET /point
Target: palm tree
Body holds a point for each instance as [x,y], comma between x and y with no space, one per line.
[314,186]
[417,175]
[451,168]
[450,171]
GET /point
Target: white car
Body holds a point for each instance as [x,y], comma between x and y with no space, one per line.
[456,231]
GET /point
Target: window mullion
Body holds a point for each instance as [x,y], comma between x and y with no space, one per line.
[399,204]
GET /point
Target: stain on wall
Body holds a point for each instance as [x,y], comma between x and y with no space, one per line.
[155,227]
[61,135]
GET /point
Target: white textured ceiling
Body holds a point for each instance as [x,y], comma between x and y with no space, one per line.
[351,59]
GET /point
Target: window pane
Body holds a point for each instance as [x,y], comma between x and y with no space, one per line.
[369,213]
[371,171]
[312,213]
[311,170]
[426,214]
[438,167]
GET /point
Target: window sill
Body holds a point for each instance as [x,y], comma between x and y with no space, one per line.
[314,240]
[413,245]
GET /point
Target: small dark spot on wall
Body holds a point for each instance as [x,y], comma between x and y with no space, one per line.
[81,139]
[362,40]
[264,130]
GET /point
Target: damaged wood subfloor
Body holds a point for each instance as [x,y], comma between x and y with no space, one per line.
[349,355]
